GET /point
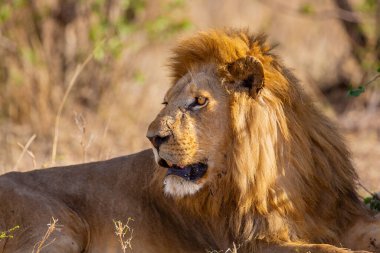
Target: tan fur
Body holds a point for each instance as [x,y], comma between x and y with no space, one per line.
[286,175]
[279,176]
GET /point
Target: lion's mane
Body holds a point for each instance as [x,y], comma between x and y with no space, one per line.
[288,174]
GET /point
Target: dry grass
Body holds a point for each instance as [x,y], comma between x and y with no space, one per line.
[52,226]
[85,140]
[124,233]
[73,80]
[234,249]
[30,154]
[25,150]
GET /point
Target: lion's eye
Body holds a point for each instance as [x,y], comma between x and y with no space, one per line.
[198,103]
[164,103]
[201,100]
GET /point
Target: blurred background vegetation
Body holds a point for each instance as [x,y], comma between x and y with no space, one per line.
[332,45]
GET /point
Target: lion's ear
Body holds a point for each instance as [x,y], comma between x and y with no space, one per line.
[247,72]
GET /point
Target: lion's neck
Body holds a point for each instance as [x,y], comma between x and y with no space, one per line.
[193,214]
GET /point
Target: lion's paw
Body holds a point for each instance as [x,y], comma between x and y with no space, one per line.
[374,243]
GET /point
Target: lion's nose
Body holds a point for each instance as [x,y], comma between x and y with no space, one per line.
[157,140]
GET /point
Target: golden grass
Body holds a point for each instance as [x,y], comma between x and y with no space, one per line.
[124,233]
[85,141]
[78,70]
[30,154]
[25,150]
[234,249]
[52,226]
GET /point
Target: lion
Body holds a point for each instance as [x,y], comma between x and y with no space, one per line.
[240,156]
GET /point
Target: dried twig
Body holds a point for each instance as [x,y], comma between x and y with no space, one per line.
[30,153]
[52,226]
[124,234]
[81,123]
[352,26]
[78,70]
[105,132]
[358,38]
[372,80]
[24,150]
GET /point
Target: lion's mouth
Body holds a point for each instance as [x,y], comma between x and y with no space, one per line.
[191,172]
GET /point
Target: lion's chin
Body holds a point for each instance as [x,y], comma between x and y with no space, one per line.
[179,187]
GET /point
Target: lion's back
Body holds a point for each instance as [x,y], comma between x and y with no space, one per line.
[83,197]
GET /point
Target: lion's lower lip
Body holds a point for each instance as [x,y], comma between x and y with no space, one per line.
[190,172]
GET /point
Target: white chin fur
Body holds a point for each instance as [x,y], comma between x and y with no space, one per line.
[156,156]
[179,187]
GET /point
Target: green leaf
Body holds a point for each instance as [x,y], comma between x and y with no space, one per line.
[367,6]
[367,200]
[182,25]
[115,46]
[373,202]
[29,55]
[139,77]
[355,92]
[8,233]
[306,9]
[99,53]
[378,69]
[5,13]
[19,3]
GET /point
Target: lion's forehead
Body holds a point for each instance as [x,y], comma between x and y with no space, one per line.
[201,78]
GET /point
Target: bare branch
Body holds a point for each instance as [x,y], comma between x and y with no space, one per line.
[343,12]
[25,149]
[358,38]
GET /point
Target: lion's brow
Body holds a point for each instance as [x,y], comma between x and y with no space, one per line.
[191,75]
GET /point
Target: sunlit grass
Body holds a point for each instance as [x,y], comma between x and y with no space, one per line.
[124,233]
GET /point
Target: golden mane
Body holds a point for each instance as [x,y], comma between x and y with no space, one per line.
[218,47]
[285,158]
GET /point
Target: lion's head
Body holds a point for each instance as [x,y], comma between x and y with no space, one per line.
[194,122]
[187,131]
[238,131]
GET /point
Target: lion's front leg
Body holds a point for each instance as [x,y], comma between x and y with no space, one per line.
[305,248]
